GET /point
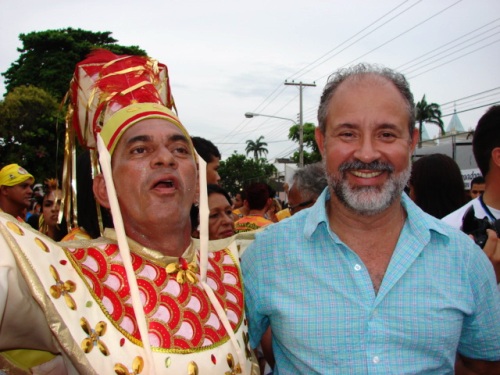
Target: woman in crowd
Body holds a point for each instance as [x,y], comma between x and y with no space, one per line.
[436,185]
[220,219]
[50,211]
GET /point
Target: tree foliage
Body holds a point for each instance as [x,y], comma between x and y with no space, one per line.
[29,131]
[258,147]
[238,171]
[48,58]
[36,83]
[428,112]
[309,143]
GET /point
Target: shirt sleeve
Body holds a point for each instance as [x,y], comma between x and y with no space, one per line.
[251,267]
[480,337]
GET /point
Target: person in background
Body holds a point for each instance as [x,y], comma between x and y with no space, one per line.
[220,219]
[486,149]
[364,281]
[48,221]
[210,153]
[436,185]
[15,190]
[476,187]
[274,209]
[145,298]
[307,184]
[92,218]
[33,214]
[257,203]
[239,208]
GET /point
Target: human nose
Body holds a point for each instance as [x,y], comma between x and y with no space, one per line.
[163,156]
[367,151]
[228,219]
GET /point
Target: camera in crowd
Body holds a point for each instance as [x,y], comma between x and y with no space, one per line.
[477,227]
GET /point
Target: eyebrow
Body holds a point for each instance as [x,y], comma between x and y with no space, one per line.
[350,125]
[149,138]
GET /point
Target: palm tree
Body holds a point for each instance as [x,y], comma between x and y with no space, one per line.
[258,147]
[428,112]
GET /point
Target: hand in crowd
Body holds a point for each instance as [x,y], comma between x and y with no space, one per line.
[492,250]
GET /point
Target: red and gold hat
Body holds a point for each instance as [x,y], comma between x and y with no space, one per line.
[110,93]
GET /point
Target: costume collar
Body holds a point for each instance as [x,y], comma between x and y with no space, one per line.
[151,254]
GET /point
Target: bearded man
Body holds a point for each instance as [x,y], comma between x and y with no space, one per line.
[364,282]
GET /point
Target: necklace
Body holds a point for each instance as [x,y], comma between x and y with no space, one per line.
[486,209]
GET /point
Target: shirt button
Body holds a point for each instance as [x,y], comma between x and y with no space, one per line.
[376,359]
[357,267]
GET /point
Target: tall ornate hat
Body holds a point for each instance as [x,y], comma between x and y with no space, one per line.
[109,93]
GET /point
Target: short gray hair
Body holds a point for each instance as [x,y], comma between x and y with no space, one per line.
[358,71]
[310,180]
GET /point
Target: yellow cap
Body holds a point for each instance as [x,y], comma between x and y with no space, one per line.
[14,174]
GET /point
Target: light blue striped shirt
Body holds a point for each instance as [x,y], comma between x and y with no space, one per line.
[438,296]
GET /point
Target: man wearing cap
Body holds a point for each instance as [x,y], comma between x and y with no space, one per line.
[145,298]
[15,190]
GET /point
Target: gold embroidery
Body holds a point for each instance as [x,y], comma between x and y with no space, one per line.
[94,337]
[235,369]
[41,245]
[62,288]
[15,228]
[185,271]
[246,340]
[137,367]
[168,362]
[192,368]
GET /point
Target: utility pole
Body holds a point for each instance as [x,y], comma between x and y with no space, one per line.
[301,123]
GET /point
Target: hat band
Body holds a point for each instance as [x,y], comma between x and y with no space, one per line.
[126,117]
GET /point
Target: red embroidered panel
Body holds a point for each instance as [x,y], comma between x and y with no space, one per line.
[180,315]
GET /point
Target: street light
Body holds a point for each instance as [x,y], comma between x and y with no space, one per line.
[301,133]
[251,114]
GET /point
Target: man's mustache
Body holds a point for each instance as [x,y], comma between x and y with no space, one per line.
[373,166]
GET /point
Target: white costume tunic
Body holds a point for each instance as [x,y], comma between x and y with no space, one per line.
[73,301]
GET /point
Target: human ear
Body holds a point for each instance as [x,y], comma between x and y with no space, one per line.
[495,156]
[414,139]
[320,139]
[100,192]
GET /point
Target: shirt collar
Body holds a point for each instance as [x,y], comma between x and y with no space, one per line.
[420,223]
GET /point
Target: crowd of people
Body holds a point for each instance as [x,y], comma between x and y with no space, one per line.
[351,275]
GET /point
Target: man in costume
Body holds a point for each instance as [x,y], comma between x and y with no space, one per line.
[365,282]
[15,190]
[144,298]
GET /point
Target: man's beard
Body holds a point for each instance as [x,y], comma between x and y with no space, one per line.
[367,200]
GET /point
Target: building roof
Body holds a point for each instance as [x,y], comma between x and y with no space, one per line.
[425,134]
[455,125]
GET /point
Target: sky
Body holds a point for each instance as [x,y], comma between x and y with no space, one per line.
[227,57]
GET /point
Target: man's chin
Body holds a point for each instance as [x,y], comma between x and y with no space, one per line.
[367,200]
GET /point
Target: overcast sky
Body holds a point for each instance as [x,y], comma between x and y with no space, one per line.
[226,58]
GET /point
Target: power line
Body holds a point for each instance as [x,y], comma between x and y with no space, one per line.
[399,35]
[471,109]
[312,66]
[470,96]
[468,34]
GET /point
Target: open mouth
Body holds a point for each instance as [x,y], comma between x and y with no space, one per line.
[165,184]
